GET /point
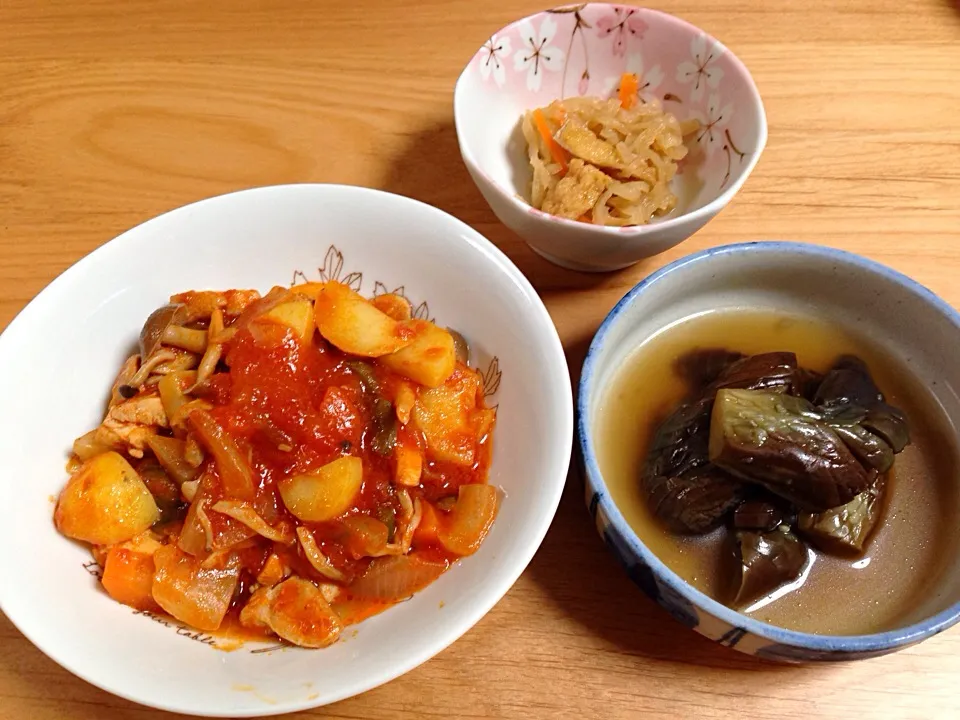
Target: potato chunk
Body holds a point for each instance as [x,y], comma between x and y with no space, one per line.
[105,502]
[355,325]
[295,313]
[396,306]
[444,415]
[325,493]
[429,359]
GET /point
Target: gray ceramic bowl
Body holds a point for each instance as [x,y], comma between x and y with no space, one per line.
[884,306]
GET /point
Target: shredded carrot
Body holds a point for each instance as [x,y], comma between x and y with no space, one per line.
[629,87]
[586,217]
[559,154]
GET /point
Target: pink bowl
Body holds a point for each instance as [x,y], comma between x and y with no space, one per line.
[583,50]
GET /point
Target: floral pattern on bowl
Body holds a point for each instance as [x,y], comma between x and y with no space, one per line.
[583,50]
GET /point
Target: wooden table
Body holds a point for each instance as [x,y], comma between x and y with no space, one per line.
[112,112]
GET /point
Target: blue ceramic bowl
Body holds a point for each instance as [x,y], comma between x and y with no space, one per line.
[889,309]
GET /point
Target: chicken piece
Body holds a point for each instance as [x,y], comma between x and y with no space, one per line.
[129,424]
[577,192]
[141,410]
[124,436]
[296,610]
[580,141]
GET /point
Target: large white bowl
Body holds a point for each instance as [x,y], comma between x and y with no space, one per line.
[583,50]
[57,361]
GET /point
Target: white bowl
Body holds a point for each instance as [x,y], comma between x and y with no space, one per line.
[583,50]
[57,362]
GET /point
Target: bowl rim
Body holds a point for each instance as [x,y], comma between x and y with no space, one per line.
[700,215]
[520,557]
[862,643]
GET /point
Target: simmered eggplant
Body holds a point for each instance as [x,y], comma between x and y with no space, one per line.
[696,502]
[699,368]
[870,449]
[848,390]
[787,456]
[845,530]
[757,515]
[774,372]
[686,493]
[768,560]
[680,444]
[778,441]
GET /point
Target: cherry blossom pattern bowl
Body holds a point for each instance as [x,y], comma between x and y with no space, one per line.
[583,50]
[259,238]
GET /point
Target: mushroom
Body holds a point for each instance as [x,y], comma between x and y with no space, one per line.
[165,326]
[460,346]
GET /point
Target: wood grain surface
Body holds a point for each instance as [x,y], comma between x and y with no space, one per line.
[112,111]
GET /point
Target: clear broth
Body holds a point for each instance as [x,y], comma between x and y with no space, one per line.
[907,552]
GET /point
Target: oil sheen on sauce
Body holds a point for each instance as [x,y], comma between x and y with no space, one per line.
[905,555]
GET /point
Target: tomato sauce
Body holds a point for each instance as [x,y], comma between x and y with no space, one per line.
[293,407]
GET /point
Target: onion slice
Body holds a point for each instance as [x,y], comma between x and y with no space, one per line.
[398,577]
[316,558]
[245,513]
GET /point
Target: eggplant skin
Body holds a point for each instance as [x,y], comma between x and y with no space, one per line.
[701,367]
[849,392]
[845,530]
[680,444]
[683,490]
[773,372]
[694,503]
[778,441]
[758,515]
[768,560]
[848,383]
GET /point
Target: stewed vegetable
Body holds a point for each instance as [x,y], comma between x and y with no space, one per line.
[292,463]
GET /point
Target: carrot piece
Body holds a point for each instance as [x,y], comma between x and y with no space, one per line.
[587,217]
[629,87]
[427,531]
[560,155]
[128,578]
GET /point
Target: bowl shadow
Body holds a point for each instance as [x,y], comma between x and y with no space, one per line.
[429,168]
